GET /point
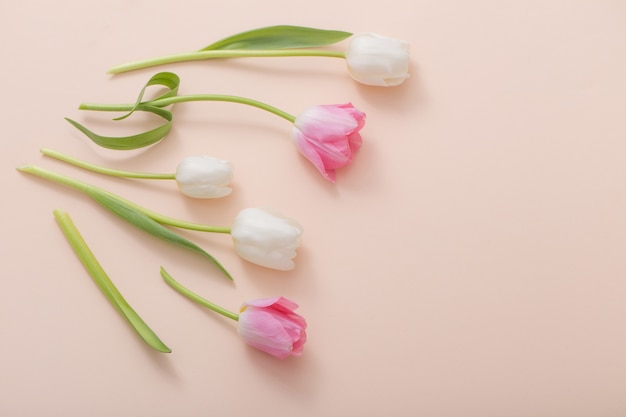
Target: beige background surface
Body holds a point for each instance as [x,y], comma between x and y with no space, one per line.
[470,262]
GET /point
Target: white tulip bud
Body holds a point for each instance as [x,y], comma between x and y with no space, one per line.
[378,60]
[266,237]
[204,177]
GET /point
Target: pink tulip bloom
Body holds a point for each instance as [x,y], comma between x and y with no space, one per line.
[328,136]
[270,325]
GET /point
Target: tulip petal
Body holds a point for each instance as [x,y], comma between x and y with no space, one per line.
[313,155]
[267,302]
[262,331]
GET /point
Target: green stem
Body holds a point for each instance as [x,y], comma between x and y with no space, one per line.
[164,102]
[84,187]
[202,55]
[103,170]
[102,280]
[195,297]
[225,98]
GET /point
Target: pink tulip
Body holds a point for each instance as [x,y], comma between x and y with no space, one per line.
[328,136]
[270,325]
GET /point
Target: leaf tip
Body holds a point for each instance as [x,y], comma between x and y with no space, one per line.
[24,168]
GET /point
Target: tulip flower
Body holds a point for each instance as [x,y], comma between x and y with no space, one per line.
[378,60]
[204,177]
[371,59]
[266,237]
[328,136]
[268,324]
[271,325]
[196,176]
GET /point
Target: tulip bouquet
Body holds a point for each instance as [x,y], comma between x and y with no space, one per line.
[371,59]
[326,135]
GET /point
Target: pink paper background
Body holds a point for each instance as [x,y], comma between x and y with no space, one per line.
[470,262]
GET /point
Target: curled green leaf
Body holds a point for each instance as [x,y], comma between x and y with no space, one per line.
[168,80]
[279,37]
[102,280]
[157,106]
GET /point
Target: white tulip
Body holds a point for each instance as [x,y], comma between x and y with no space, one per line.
[204,177]
[266,237]
[378,60]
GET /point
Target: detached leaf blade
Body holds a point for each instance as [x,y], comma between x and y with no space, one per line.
[279,37]
[102,280]
[147,224]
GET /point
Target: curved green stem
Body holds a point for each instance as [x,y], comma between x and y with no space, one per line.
[213,54]
[84,187]
[103,170]
[195,297]
[164,102]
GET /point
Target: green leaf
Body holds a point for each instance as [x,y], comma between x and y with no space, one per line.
[147,224]
[166,79]
[105,284]
[279,37]
[137,141]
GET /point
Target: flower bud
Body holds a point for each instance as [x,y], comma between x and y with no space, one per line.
[204,177]
[271,325]
[378,60]
[266,237]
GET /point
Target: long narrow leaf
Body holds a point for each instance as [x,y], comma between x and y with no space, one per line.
[137,141]
[279,37]
[145,223]
[102,280]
